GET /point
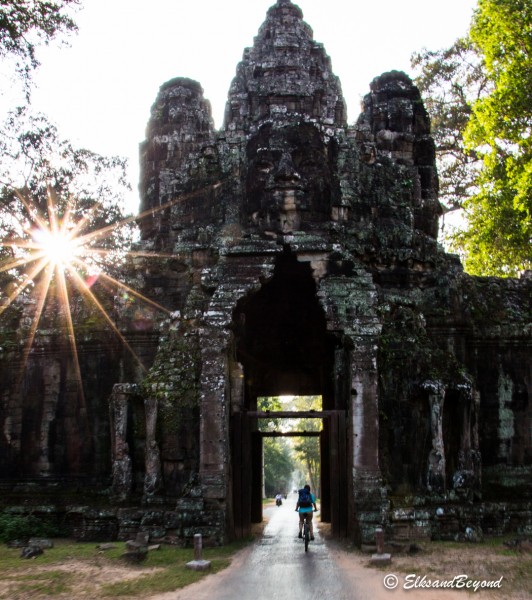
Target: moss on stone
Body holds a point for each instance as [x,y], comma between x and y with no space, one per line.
[174,380]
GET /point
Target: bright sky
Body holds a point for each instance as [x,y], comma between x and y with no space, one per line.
[100,89]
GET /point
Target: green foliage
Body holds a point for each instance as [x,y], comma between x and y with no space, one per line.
[478,95]
[451,80]
[283,457]
[26,24]
[498,239]
[502,32]
[499,231]
[269,403]
[307,449]
[17,527]
[278,465]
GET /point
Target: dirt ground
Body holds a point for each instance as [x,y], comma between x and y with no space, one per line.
[479,563]
[441,562]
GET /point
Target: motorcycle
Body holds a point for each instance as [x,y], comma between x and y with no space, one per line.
[278,501]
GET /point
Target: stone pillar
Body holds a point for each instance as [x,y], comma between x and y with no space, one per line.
[506,424]
[198,564]
[369,494]
[466,480]
[214,429]
[365,421]
[475,441]
[153,480]
[381,557]
[350,308]
[436,460]
[217,374]
[52,384]
[121,460]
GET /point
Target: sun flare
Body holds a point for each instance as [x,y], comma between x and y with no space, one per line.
[59,253]
[58,247]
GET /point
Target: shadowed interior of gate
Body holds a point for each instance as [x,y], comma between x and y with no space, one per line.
[282,341]
[283,345]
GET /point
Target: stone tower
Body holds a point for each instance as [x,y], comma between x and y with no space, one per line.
[297,254]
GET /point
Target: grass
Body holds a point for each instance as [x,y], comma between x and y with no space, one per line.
[73,569]
[488,561]
[51,583]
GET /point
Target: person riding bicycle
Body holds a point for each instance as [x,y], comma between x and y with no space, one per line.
[304,505]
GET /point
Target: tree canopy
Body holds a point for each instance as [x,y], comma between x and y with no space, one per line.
[278,466]
[25,24]
[451,80]
[300,453]
[60,207]
[498,240]
[479,95]
[54,197]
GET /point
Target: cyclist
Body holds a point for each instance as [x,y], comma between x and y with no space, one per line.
[304,505]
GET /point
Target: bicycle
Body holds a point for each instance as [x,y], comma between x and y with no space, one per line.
[306,530]
[306,533]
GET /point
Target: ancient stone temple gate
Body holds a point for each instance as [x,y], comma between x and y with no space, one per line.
[296,254]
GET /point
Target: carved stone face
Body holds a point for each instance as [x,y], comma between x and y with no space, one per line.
[289,178]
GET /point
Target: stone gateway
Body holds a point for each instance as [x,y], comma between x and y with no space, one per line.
[295,254]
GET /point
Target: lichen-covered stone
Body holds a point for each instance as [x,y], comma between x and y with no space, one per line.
[296,254]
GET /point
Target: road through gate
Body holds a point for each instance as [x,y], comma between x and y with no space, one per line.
[246,467]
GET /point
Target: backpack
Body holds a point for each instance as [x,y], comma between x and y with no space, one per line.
[305,499]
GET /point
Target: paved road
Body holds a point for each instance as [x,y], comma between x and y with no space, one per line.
[277,567]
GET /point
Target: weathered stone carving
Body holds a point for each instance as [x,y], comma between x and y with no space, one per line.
[122,467]
[289,178]
[153,476]
[297,254]
[436,481]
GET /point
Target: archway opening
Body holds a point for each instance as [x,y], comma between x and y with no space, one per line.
[284,348]
[291,446]
[281,337]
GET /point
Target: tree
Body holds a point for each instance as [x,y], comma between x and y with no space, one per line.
[498,238]
[307,449]
[45,182]
[268,403]
[25,24]
[451,80]
[478,95]
[64,236]
[278,466]
[61,211]
[306,455]
[37,163]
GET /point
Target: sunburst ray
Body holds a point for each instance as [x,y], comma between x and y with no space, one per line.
[62,248]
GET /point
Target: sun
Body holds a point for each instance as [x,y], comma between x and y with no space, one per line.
[59,248]
[60,251]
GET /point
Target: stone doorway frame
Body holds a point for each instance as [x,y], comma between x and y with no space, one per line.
[246,462]
[350,307]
